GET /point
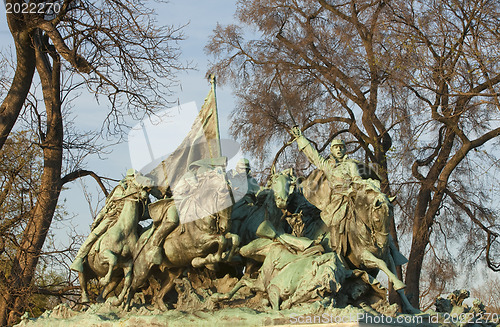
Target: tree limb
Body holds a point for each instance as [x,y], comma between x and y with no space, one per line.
[82,173]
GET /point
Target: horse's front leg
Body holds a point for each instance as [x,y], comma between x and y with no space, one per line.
[211,258]
[222,246]
[111,259]
[127,281]
[83,286]
[165,288]
[107,290]
[407,307]
[369,258]
[235,241]
[371,261]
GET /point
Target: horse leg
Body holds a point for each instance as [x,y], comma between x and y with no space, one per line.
[158,298]
[222,246]
[407,307]
[107,290]
[235,240]
[111,259]
[211,258]
[83,286]
[368,257]
[392,268]
[371,261]
[127,282]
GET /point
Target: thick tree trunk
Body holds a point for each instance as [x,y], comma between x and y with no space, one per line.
[25,262]
[25,69]
[425,211]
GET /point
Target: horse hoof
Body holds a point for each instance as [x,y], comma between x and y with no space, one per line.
[197,262]
[115,302]
[160,305]
[217,297]
[104,281]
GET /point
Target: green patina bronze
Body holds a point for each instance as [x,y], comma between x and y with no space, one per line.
[296,241]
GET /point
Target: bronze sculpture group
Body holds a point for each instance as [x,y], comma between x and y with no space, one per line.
[298,240]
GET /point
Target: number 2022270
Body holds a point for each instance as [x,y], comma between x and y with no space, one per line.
[33,8]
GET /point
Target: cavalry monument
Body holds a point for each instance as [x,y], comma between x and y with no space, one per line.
[297,240]
[193,235]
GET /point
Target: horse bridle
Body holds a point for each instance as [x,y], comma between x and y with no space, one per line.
[375,231]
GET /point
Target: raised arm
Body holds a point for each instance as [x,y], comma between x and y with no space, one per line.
[311,153]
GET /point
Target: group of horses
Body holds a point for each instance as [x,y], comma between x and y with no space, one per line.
[117,257]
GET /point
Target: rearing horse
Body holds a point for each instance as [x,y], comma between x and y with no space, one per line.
[113,250]
[194,243]
[363,239]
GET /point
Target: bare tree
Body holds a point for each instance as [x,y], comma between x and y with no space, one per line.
[118,52]
[453,73]
[408,83]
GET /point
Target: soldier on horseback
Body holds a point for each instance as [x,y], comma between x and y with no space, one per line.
[344,180]
[341,174]
[168,213]
[132,183]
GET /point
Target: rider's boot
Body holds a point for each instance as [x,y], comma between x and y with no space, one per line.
[155,254]
[77,264]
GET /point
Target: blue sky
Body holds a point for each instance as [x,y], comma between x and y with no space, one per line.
[202,17]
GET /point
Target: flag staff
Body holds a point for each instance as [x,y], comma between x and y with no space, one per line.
[217,131]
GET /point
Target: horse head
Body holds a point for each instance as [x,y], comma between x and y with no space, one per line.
[223,220]
[375,209]
[283,185]
[381,212]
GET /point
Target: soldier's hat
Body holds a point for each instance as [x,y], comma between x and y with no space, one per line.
[337,142]
[243,163]
[131,172]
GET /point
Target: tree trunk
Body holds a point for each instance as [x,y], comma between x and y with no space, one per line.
[423,219]
[25,69]
[24,265]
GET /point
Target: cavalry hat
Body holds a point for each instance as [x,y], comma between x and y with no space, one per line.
[337,142]
[243,163]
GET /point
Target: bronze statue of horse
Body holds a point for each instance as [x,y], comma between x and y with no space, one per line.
[282,203]
[365,236]
[361,236]
[110,257]
[196,243]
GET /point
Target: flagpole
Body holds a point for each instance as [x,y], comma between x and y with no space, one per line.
[217,132]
